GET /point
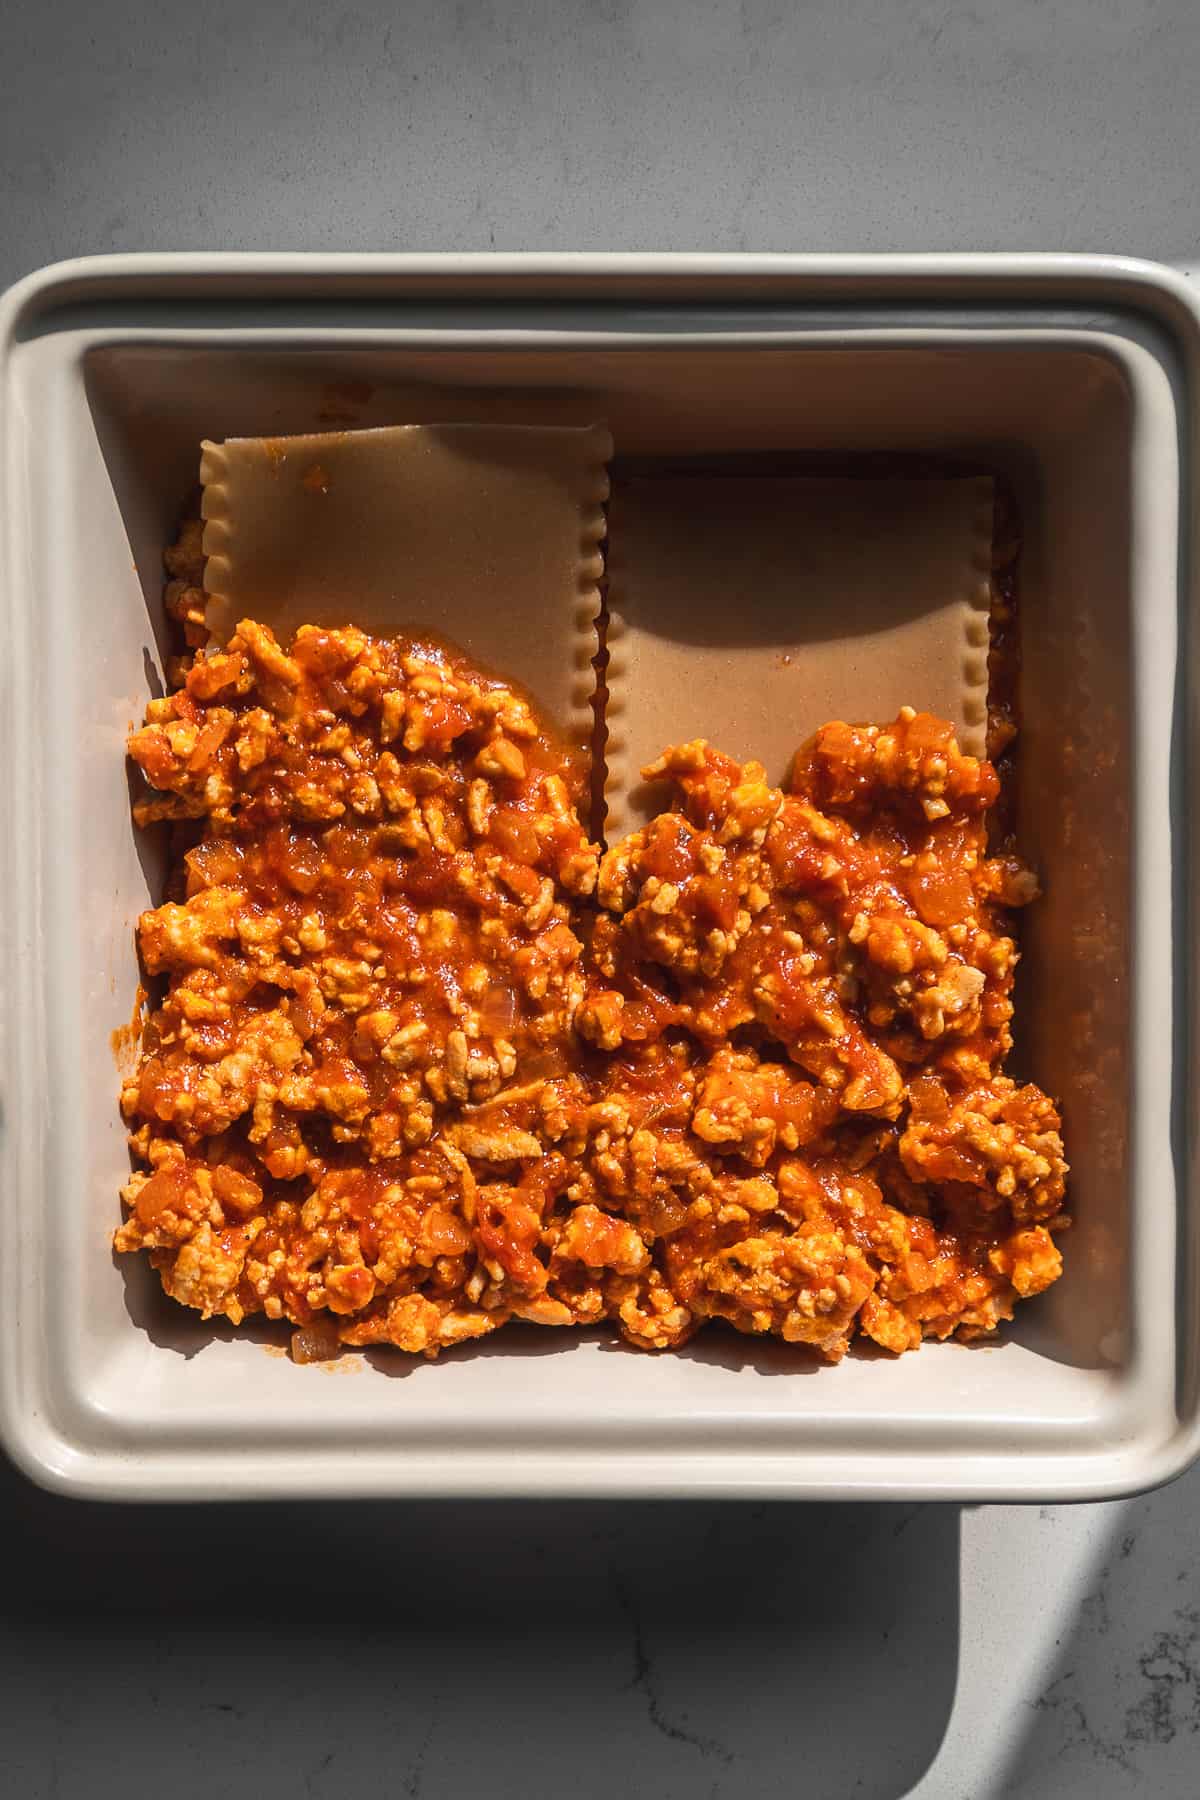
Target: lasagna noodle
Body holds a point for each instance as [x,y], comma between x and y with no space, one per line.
[752,609]
[488,535]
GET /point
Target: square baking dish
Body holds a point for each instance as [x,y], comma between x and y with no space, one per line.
[1074,379]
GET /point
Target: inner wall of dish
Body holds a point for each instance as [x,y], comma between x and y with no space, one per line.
[1055,422]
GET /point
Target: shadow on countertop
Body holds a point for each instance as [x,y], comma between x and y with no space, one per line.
[449,1650]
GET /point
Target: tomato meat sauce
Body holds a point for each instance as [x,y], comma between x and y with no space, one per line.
[426,1061]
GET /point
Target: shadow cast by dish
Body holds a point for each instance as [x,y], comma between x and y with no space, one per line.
[496,1651]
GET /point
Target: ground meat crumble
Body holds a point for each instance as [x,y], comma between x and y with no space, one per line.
[426,1061]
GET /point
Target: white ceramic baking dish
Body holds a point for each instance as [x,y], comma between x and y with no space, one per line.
[1076,378]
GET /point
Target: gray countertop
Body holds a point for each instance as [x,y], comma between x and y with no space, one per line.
[453,1651]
